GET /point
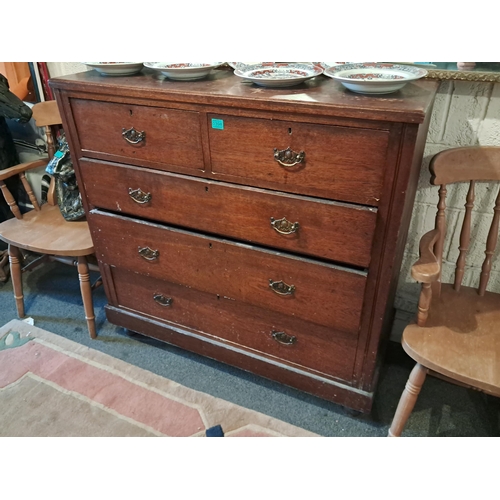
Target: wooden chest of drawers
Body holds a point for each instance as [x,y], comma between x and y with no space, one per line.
[260,227]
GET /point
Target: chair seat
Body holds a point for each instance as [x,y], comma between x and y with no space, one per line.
[461,338]
[46,231]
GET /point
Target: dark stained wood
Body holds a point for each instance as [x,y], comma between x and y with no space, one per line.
[457,335]
[244,152]
[323,387]
[172,137]
[393,218]
[322,95]
[327,229]
[241,324]
[233,270]
[362,160]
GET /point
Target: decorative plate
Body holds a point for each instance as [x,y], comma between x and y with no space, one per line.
[183,71]
[241,65]
[374,78]
[278,74]
[326,65]
[116,68]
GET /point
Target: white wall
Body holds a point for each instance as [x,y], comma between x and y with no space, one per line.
[65,68]
[465,114]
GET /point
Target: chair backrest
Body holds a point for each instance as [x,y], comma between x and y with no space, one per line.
[467,164]
[46,114]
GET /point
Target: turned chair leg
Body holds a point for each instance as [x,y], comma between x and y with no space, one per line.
[408,400]
[86,289]
[15,258]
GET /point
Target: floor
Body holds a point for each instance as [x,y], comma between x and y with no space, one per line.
[52,299]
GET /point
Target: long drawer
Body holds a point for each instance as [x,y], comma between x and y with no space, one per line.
[325,229]
[339,163]
[320,293]
[130,133]
[282,337]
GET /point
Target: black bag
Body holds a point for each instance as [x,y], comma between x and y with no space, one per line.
[68,195]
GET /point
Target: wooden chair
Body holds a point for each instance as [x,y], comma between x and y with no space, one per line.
[457,335]
[43,230]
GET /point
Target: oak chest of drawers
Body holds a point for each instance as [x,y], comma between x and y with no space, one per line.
[260,227]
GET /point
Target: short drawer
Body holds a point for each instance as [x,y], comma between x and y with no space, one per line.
[330,230]
[320,293]
[164,137]
[340,163]
[282,337]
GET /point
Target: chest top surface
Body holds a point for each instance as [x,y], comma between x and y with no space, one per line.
[320,95]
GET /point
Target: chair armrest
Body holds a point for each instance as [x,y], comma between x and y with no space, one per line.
[22,167]
[427,269]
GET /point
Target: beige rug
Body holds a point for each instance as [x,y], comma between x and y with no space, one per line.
[51,386]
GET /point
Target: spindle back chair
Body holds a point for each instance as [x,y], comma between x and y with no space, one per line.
[43,230]
[457,332]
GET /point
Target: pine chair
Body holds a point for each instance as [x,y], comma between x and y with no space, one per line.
[457,335]
[43,230]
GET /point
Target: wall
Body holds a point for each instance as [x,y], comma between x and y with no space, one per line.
[465,114]
[65,68]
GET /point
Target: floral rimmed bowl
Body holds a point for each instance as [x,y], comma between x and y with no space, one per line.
[374,78]
[116,68]
[278,74]
[183,71]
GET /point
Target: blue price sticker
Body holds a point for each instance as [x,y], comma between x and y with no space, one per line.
[217,123]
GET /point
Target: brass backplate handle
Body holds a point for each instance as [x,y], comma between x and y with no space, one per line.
[281,288]
[288,158]
[133,136]
[284,226]
[139,196]
[148,253]
[162,300]
[284,338]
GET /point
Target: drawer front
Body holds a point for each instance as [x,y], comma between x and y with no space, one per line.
[295,341]
[320,293]
[340,163]
[329,230]
[171,137]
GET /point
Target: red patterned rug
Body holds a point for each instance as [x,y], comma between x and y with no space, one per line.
[51,386]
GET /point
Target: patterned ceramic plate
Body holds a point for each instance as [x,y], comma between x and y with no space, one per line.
[326,65]
[116,68]
[374,78]
[278,74]
[241,65]
[183,71]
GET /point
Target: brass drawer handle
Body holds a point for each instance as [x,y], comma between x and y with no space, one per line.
[148,253]
[139,196]
[133,136]
[284,226]
[284,338]
[288,158]
[162,300]
[281,288]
